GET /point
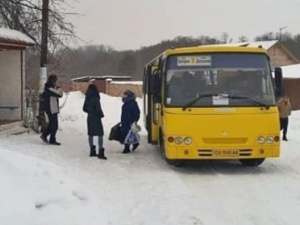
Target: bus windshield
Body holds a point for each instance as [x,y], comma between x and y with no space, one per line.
[219,79]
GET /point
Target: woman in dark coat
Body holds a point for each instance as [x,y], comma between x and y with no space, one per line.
[94,124]
[130,114]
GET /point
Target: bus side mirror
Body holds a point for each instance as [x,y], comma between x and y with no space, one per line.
[278,82]
[155,87]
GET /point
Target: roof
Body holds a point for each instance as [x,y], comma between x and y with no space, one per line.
[113,77]
[9,36]
[265,44]
[292,71]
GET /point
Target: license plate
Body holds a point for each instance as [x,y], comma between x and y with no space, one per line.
[225,153]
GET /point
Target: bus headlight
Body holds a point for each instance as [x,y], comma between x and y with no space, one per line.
[261,140]
[178,140]
[187,141]
[270,140]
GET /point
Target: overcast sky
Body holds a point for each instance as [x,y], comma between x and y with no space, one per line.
[130,24]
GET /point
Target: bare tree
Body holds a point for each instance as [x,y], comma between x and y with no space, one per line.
[243,38]
[225,38]
[26,16]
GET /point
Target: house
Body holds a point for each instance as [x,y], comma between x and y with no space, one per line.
[12,75]
[291,84]
[279,55]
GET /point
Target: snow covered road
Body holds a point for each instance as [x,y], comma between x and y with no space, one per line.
[61,185]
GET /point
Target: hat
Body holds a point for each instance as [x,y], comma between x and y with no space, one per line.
[52,78]
[129,93]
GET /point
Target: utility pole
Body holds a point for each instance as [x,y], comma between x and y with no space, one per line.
[44,45]
[39,111]
[280,29]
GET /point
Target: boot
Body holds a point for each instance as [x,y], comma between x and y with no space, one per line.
[44,139]
[101,154]
[135,146]
[284,138]
[93,151]
[126,149]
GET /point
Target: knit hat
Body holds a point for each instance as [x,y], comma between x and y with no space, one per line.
[52,78]
[129,93]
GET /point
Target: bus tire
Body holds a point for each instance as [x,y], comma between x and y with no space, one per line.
[175,163]
[252,162]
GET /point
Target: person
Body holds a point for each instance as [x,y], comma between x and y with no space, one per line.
[284,107]
[130,114]
[93,108]
[51,96]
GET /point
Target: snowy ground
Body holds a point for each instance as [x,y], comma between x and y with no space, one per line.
[42,184]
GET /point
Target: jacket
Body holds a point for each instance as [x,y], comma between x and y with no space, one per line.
[130,113]
[93,108]
[51,96]
[284,107]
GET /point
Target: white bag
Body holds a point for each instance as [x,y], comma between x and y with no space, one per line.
[137,128]
[133,137]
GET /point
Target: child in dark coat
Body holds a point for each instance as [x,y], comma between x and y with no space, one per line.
[95,128]
[130,114]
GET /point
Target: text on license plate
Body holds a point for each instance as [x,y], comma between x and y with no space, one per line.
[225,153]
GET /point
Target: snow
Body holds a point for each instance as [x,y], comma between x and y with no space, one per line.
[265,44]
[42,184]
[15,36]
[292,71]
[87,78]
[128,82]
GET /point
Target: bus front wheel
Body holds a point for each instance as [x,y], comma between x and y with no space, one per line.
[175,163]
[252,162]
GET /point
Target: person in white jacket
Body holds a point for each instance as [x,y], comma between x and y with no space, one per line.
[51,106]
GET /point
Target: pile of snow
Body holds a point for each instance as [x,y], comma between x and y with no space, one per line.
[292,71]
[43,184]
[14,36]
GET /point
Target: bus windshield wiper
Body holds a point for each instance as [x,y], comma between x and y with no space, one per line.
[197,99]
[249,100]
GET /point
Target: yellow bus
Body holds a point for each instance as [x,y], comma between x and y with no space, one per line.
[212,103]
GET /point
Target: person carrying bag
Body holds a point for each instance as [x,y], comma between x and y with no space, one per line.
[129,118]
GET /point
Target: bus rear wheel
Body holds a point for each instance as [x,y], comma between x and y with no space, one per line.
[252,162]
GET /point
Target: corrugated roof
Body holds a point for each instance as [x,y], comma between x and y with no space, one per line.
[14,36]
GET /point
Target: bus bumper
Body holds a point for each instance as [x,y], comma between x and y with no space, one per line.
[194,153]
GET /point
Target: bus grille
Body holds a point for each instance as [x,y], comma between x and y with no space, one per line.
[209,152]
[225,140]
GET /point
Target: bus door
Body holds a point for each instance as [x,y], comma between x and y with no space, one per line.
[153,113]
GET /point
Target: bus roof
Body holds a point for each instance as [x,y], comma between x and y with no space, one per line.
[208,49]
[214,48]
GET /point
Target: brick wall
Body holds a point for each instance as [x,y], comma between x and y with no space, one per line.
[112,88]
[117,89]
[292,90]
[80,86]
